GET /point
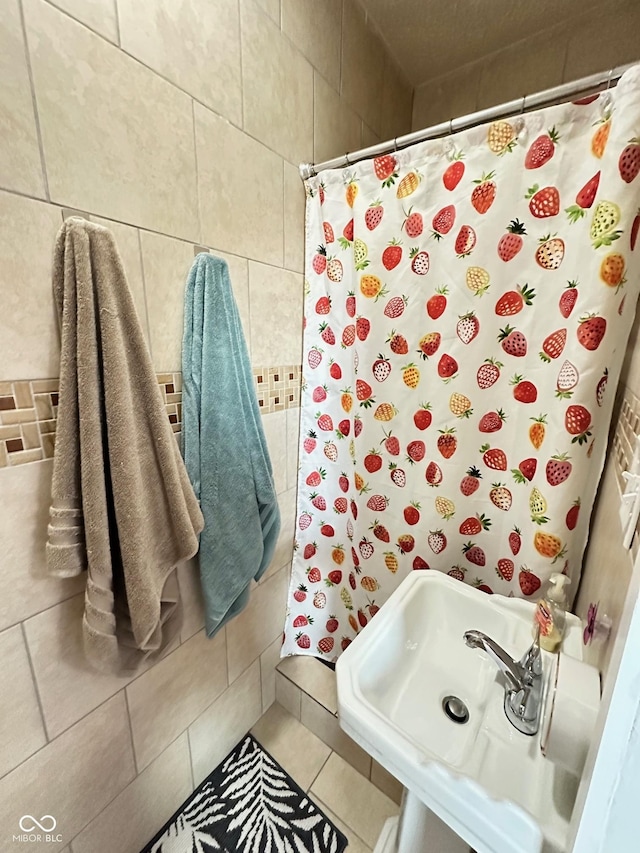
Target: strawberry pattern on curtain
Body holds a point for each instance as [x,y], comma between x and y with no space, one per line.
[467,306]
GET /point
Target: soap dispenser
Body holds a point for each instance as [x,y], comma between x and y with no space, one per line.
[550,615]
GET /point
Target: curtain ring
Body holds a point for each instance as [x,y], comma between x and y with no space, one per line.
[609,79]
[450,127]
[524,98]
[395,145]
[346,158]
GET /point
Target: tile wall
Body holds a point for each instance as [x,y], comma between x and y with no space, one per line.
[598,40]
[180,126]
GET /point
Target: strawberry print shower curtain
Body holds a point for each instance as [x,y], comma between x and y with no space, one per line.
[467,306]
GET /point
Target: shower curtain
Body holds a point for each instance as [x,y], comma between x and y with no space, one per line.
[467,306]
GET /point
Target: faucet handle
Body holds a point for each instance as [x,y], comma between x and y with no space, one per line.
[532,659]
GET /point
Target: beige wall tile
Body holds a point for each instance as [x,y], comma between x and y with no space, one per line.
[268,662]
[297,749]
[73,778]
[314,678]
[249,634]
[25,588]
[240,190]
[522,68]
[606,37]
[131,133]
[288,696]
[144,806]
[353,798]
[356,845]
[195,45]
[166,263]
[272,8]
[216,731]
[20,164]
[167,698]
[294,214]
[29,347]
[192,601]
[453,95]
[69,688]
[387,783]
[397,101]
[275,430]
[293,436]
[21,728]
[284,546]
[607,566]
[277,87]
[98,15]
[369,137]
[337,128]
[278,342]
[239,275]
[362,65]
[128,242]
[315,26]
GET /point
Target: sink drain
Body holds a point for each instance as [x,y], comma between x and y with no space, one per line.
[455,709]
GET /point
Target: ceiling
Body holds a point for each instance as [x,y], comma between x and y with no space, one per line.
[429,38]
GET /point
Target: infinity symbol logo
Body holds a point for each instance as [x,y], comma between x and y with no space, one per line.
[47,823]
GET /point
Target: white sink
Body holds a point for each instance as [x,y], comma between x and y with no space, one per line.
[486,780]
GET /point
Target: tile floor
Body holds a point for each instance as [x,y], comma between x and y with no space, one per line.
[307,690]
[356,806]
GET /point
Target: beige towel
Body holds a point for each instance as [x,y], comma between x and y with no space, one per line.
[122,506]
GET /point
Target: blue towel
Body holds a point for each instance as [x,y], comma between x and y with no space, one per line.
[224,447]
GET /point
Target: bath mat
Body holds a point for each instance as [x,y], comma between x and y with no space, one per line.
[249,804]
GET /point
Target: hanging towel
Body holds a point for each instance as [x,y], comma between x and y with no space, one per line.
[224,445]
[122,506]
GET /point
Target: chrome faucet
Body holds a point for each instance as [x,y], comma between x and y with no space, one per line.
[523,687]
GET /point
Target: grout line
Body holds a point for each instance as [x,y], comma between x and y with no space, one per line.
[172,83]
[65,730]
[117,17]
[226,657]
[284,209]
[179,88]
[129,783]
[34,101]
[341,60]
[51,606]
[324,763]
[188,733]
[144,293]
[324,807]
[240,43]
[133,747]
[141,228]
[35,682]
[566,57]
[197,171]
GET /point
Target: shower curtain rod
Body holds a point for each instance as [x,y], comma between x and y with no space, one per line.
[584,86]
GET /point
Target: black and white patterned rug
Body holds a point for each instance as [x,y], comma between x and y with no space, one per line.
[249,804]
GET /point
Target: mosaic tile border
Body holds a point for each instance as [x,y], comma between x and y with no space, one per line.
[278,388]
[28,409]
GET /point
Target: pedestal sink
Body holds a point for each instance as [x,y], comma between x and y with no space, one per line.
[485,780]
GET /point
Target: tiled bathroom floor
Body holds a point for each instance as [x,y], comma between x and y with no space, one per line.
[356,806]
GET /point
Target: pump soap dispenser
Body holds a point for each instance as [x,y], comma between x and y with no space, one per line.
[550,616]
